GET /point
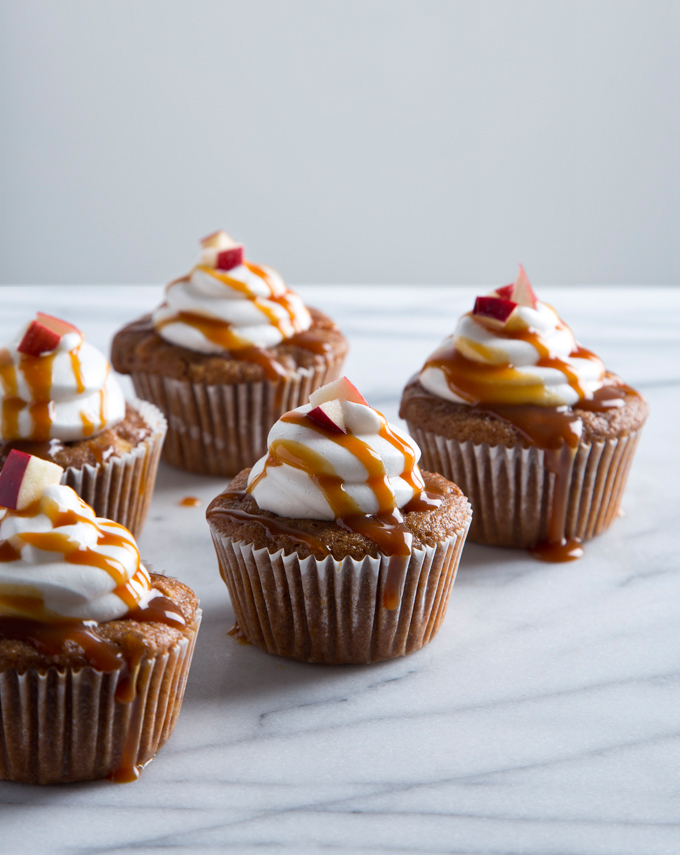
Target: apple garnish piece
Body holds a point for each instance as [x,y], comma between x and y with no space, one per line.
[523,293]
[341,389]
[221,251]
[44,334]
[227,259]
[217,240]
[24,478]
[494,310]
[329,416]
[56,324]
[506,291]
[520,291]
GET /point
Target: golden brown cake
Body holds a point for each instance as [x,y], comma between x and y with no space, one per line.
[229,351]
[94,652]
[335,547]
[530,424]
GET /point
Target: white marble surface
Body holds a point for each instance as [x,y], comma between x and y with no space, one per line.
[542,719]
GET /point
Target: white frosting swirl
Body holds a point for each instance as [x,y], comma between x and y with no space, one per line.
[82,396]
[41,584]
[290,492]
[476,341]
[253,303]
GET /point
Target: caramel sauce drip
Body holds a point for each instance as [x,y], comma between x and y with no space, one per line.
[73,552]
[11,404]
[102,401]
[37,371]
[424,502]
[493,388]
[386,527]
[88,424]
[222,333]
[190,502]
[77,370]
[103,655]
[313,340]
[272,526]
[50,637]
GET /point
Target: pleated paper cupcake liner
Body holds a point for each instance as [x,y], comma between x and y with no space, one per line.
[221,429]
[63,725]
[121,488]
[512,490]
[332,612]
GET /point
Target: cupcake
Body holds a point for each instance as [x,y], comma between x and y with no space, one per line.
[536,431]
[94,651]
[335,547]
[228,351]
[60,401]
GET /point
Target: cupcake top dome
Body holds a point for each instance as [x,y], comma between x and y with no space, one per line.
[58,561]
[338,480]
[227,303]
[513,349]
[54,385]
[336,458]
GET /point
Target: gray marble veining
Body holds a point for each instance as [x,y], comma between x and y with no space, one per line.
[542,719]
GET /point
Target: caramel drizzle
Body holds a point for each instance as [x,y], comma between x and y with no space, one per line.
[77,369]
[273,526]
[556,429]
[386,526]
[37,371]
[51,636]
[190,502]
[481,382]
[223,333]
[103,655]
[73,552]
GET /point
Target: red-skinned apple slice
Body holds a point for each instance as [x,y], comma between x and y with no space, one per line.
[506,291]
[523,293]
[44,334]
[341,389]
[329,416]
[221,251]
[227,259]
[494,310]
[23,479]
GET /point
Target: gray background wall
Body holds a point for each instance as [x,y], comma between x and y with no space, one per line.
[341,140]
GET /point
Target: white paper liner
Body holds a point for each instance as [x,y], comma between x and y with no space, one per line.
[221,429]
[62,725]
[332,611]
[121,488]
[511,489]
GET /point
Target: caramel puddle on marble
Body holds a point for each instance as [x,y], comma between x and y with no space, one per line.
[190,502]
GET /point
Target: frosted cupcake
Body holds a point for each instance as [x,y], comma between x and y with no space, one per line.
[229,350]
[94,651]
[60,401]
[335,547]
[536,431]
